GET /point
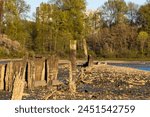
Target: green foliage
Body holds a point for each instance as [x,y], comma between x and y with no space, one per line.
[4,52]
[132,13]
[143,36]
[144,17]
[13,19]
[116,30]
[113,11]
[58,23]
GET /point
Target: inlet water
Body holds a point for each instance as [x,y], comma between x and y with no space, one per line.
[140,66]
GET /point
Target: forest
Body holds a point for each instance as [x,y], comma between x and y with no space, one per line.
[117,29]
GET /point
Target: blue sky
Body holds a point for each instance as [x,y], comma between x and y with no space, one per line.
[91,4]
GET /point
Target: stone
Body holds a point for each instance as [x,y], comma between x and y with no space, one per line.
[56,83]
[40,83]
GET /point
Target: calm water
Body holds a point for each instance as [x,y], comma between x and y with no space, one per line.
[140,66]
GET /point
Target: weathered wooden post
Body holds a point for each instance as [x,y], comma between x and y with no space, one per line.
[30,74]
[72,77]
[18,88]
[52,71]
[9,77]
[90,61]
[19,82]
[2,72]
[40,72]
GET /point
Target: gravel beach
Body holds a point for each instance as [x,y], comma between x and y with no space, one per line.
[99,82]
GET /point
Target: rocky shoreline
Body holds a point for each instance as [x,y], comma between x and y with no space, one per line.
[100,82]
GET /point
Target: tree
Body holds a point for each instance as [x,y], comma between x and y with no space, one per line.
[1,14]
[142,37]
[113,11]
[44,27]
[144,17]
[132,13]
[14,14]
[58,22]
[75,16]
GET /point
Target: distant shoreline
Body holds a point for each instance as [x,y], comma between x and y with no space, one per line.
[6,60]
[78,60]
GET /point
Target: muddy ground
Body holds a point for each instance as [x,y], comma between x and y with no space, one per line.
[101,82]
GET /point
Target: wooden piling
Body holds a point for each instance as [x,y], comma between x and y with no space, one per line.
[30,74]
[2,72]
[9,77]
[39,68]
[40,72]
[52,69]
[90,61]
[19,83]
[72,79]
[18,88]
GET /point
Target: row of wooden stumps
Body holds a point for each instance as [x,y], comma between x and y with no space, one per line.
[17,75]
